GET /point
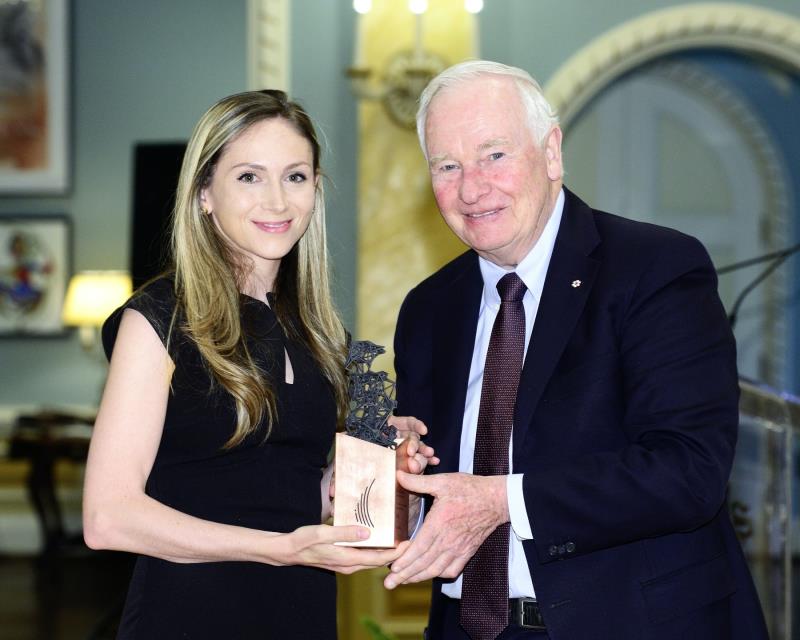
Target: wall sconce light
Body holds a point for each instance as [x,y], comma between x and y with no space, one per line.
[407,73]
[91,297]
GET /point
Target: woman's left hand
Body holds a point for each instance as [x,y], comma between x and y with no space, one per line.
[413,455]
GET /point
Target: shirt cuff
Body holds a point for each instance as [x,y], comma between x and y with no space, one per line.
[516,507]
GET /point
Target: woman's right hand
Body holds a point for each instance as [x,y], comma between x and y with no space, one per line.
[314,546]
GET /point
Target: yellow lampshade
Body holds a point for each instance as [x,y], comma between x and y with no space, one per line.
[93,295]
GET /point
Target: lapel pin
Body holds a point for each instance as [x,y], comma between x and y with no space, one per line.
[576,284]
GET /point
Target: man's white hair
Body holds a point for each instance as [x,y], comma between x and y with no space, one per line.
[541,116]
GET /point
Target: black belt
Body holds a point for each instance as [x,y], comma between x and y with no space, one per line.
[524,612]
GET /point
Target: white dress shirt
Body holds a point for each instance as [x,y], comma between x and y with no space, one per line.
[532,270]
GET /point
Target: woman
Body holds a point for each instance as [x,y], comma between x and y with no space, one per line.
[224,389]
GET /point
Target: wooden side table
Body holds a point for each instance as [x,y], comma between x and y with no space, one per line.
[43,439]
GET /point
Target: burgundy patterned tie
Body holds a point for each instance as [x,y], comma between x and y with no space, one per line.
[484,591]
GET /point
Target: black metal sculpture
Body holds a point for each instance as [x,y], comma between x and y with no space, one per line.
[371,396]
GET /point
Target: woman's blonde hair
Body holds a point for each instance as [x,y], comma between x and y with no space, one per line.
[209,272]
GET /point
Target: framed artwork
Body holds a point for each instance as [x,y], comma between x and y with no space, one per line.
[35,265]
[33,97]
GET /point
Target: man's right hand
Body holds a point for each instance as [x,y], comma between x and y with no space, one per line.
[465,510]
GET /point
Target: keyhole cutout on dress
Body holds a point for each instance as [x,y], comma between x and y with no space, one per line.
[288,367]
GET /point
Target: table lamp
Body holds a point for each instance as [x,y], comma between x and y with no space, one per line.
[91,297]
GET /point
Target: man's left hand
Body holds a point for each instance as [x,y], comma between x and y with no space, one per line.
[465,510]
[413,455]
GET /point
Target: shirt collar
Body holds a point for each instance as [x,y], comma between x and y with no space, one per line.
[533,267]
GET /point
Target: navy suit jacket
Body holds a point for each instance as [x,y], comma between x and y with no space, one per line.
[624,428]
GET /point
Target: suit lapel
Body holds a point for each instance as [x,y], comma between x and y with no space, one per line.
[454,340]
[569,281]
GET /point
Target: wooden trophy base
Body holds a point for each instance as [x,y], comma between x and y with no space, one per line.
[367,492]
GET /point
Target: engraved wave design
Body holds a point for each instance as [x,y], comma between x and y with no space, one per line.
[363,515]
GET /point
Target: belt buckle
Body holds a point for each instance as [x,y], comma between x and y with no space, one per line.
[524,612]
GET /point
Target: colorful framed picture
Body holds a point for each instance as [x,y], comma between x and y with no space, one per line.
[35,264]
[33,97]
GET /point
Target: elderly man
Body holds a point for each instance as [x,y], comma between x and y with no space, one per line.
[578,377]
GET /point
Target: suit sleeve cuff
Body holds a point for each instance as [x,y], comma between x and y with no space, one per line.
[516,507]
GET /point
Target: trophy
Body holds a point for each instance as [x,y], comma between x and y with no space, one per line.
[367,492]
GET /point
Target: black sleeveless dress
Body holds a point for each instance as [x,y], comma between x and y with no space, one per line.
[271,485]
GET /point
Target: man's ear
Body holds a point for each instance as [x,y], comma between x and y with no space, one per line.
[552,154]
